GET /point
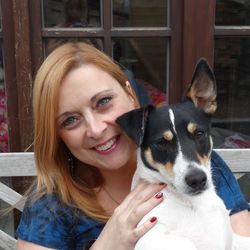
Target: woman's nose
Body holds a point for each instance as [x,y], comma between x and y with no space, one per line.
[95,128]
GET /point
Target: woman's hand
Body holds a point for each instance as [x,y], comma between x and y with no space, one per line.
[121,231]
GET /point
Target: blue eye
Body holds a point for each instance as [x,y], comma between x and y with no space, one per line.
[104,101]
[70,122]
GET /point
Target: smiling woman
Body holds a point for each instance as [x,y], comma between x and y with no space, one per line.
[84,162]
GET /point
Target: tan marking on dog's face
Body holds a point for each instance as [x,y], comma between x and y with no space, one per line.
[168,135]
[151,161]
[203,159]
[168,166]
[191,127]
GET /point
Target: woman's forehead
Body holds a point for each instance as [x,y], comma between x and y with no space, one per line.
[85,84]
[89,76]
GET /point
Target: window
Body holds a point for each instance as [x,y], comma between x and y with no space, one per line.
[232,70]
[124,29]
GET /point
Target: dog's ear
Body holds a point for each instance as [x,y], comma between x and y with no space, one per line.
[202,90]
[134,123]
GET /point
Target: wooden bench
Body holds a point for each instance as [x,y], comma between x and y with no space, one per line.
[22,164]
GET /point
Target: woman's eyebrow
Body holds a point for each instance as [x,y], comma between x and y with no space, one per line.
[61,115]
[96,96]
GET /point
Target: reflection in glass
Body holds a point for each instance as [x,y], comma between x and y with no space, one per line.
[71,13]
[232,12]
[3,109]
[51,44]
[232,71]
[146,60]
[140,13]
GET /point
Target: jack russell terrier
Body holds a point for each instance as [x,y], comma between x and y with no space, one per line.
[174,147]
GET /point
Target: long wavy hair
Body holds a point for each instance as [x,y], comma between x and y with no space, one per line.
[51,154]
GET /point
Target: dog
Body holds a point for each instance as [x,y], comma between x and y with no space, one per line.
[174,147]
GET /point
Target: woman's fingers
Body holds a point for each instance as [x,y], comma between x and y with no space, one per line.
[138,212]
[144,228]
[139,202]
[143,192]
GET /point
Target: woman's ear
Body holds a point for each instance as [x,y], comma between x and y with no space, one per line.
[131,94]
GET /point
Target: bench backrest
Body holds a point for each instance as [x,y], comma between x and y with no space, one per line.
[23,164]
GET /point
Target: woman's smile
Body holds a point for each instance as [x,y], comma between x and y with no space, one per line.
[107,147]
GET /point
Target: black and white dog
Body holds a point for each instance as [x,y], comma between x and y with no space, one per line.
[174,147]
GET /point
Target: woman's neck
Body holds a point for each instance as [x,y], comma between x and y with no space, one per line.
[120,178]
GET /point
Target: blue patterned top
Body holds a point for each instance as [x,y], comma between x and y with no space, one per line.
[50,223]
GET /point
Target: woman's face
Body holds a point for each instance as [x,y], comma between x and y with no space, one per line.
[90,100]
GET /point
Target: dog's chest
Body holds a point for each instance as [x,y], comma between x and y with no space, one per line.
[204,224]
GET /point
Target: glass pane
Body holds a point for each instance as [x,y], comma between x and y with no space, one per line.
[232,12]
[71,13]
[51,44]
[146,62]
[140,13]
[3,108]
[232,71]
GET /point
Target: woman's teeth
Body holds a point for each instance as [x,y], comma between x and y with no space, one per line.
[106,146]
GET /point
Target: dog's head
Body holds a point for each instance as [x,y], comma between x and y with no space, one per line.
[175,140]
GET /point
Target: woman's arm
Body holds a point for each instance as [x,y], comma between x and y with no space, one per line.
[25,245]
[241,223]
[229,191]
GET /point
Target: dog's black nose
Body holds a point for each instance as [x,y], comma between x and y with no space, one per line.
[196,179]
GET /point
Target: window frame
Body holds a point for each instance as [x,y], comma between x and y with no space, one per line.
[23,51]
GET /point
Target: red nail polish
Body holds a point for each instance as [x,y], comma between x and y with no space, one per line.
[159,195]
[153,219]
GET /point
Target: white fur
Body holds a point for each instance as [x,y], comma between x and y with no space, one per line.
[185,222]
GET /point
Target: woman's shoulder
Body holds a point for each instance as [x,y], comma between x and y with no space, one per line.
[49,222]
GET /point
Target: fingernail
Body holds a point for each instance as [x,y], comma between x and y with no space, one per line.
[158,195]
[153,219]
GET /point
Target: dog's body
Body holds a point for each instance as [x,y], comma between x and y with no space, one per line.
[174,148]
[185,222]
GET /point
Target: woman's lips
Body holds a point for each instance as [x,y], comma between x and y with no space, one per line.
[107,147]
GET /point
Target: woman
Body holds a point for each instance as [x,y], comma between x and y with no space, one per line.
[85,163]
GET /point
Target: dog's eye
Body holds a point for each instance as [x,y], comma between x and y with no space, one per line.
[199,134]
[161,144]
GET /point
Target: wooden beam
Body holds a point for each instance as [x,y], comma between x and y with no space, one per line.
[198,35]
[7,242]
